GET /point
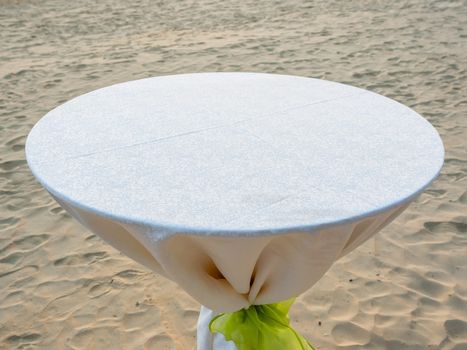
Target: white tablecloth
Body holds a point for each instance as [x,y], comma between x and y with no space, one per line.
[243,188]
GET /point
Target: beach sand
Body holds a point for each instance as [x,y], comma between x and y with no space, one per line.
[61,287]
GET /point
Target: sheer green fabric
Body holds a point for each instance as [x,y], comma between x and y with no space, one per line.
[260,327]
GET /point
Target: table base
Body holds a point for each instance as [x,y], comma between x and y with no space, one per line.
[207,340]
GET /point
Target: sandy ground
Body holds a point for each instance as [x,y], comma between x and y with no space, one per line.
[61,287]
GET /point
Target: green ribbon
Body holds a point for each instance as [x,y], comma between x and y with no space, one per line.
[260,327]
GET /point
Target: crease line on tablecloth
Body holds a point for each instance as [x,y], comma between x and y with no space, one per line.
[228,125]
[260,209]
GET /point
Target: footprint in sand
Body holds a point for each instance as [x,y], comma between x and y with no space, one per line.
[456,329]
[350,334]
[27,243]
[159,342]
[23,339]
[12,259]
[462,346]
[80,259]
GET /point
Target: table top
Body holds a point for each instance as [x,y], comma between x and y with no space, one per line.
[234,153]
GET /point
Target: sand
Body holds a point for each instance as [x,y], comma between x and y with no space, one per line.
[61,287]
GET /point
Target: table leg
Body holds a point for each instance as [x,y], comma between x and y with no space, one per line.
[207,340]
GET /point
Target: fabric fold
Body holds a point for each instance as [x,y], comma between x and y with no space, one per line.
[230,273]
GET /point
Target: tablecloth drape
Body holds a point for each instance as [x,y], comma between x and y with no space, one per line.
[226,274]
[229,273]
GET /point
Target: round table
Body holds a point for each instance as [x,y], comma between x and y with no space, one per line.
[243,188]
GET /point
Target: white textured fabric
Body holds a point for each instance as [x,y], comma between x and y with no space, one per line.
[233,153]
[243,188]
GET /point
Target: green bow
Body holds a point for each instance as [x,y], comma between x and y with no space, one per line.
[260,327]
